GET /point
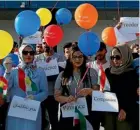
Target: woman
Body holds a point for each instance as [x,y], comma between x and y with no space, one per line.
[1,68]
[68,81]
[26,73]
[124,83]
[135,50]
[3,104]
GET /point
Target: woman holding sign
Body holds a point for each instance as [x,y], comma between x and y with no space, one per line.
[28,82]
[124,83]
[69,88]
[3,104]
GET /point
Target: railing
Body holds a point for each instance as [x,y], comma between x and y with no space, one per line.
[68,4]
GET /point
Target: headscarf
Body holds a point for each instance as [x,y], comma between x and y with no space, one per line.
[28,68]
[127,59]
[23,46]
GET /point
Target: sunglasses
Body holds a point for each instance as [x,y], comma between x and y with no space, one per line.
[28,52]
[117,57]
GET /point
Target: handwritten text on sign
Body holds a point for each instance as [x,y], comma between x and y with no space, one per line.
[24,108]
[50,68]
[124,37]
[129,24]
[68,110]
[104,101]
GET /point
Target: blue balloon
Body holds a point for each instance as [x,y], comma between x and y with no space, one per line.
[27,23]
[15,59]
[63,16]
[89,43]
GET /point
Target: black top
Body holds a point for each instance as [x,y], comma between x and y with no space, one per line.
[125,86]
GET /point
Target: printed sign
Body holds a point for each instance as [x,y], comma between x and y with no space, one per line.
[130,24]
[104,101]
[50,68]
[68,110]
[24,108]
[33,39]
[62,64]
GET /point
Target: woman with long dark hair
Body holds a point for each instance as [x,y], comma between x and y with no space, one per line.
[68,81]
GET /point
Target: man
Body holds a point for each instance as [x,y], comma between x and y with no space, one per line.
[101,64]
[100,58]
[135,50]
[39,49]
[15,46]
[100,61]
[66,49]
[3,101]
[50,104]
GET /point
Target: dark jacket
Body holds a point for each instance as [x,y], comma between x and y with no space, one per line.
[125,86]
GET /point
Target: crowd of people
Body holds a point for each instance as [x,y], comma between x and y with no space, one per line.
[53,91]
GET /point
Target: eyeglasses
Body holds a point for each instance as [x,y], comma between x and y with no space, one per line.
[77,57]
[28,52]
[117,57]
[39,46]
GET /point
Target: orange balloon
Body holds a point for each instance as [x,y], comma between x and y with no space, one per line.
[109,37]
[86,16]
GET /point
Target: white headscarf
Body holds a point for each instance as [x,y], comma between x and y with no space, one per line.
[22,48]
[29,69]
[23,64]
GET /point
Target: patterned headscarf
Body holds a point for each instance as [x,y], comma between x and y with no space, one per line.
[28,68]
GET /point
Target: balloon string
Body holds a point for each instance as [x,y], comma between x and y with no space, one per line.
[43,28]
[83,76]
[118,10]
[66,4]
[20,41]
[54,5]
[88,42]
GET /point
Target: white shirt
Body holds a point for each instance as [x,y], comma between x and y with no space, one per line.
[105,66]
[94,65]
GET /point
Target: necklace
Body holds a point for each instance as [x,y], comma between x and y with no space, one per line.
[77,80]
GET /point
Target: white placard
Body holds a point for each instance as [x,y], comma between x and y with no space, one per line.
[104,101]
[68,110]
[130,24]
[24,108]
[50,68]
[126,37]
[33,39]
[62,64]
